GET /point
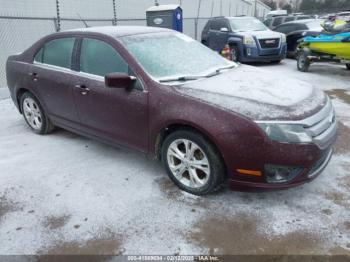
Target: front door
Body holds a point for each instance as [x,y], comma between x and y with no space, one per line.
[115,114]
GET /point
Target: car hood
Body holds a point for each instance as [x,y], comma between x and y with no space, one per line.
[257,94]
[262,34]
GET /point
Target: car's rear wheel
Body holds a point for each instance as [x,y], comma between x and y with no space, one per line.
[192,162]
[348,66]
[303,62]
[34,114]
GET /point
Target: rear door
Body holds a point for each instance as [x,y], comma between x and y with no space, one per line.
[117,115]
[51,79]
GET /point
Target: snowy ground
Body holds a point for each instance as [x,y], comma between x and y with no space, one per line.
[65,194]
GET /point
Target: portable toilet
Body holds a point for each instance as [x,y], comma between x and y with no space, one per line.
[166,16]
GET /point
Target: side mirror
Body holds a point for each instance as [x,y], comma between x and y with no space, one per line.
[224,29]
[119,80]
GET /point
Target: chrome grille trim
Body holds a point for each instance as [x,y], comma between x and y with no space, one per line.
[321,127]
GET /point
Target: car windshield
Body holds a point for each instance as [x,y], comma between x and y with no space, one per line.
[166,55]
[247,24]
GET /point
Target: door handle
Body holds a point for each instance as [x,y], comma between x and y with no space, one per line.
[83,89]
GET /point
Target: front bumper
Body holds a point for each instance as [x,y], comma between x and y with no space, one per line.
[305,176]
[258,54]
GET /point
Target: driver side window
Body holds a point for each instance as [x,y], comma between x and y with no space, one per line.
[99,58]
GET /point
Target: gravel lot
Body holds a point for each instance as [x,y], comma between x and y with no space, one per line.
[65,194]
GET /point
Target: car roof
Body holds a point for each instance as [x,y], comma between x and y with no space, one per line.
[303,21]
[120,31]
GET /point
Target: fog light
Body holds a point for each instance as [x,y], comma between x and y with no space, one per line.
[249,51]
[281,174]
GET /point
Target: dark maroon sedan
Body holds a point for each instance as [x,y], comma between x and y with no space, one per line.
[158,91]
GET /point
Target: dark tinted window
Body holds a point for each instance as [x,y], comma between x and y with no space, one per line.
[206,28]
[277,21]
[267,22]
[39,56]
[57,52]
[303,17]
[217,24]
[300,27]
[289,19]
[99,58]
[286,29]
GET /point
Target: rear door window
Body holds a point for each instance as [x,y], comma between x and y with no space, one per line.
[57,52]
[218,24]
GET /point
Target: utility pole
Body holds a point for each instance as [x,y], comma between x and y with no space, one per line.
[229,10]
[196,20]
[220,7]
[255,8]
[212,8]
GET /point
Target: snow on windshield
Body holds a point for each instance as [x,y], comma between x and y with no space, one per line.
[247,24]
[165,55]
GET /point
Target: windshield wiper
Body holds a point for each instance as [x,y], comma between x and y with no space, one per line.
[181,79]
[225,68]
[194,77]
[218,70]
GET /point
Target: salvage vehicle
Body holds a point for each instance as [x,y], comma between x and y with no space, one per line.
[273,22]
[297,30]
[209,120]
[332,45]
[245,38]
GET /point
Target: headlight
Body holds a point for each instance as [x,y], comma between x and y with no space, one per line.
[284,38]
[249,40]
[286,133]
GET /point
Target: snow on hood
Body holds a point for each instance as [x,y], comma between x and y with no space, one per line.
[262,34]
[257,94]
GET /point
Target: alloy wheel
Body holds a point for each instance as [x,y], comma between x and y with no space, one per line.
[32,113]
[188,163]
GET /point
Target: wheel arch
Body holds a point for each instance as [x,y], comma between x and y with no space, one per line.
[172,127]
[19,94]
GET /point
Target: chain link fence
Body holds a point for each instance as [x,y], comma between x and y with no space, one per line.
[23,22]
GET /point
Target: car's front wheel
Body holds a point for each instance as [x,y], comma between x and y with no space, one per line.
[34,114]
[192,162]
[348,66]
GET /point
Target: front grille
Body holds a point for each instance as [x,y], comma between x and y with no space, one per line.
[320,164]
[322,126]
[269,43]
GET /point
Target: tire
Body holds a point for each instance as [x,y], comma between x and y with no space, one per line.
[34,115]
[348,66]
[303,63]
[206,178]
[234,53]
